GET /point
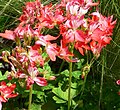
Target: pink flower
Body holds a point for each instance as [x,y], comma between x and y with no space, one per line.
[74,23]
[6,92]
[75,8]
[33,72]
[74,36]
[45,40]
[35,56]
[81,46]
[64,52]
[24,31]
[118,82]
[8,35]
[52,51]
[95,48]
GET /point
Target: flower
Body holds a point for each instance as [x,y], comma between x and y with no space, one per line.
[52,51]
[118,82]
[64,52]
[51,48]
[35,56]
[33,77]
[6,92]
[81,46]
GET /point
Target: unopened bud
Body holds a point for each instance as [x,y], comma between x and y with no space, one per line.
[52,78]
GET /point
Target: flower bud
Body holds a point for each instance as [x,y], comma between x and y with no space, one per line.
[52,78]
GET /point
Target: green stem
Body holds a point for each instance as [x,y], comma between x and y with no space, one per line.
[83,86]
[102,76]
[69,89]
[30,98]
[70,79]
[61,66]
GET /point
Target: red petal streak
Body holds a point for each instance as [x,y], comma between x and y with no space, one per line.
[2,99]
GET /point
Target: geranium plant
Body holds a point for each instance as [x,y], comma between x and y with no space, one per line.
[78,31]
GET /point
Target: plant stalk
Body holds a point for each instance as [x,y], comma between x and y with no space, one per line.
[30,98]
[102,76]
[70,79]
[69,89]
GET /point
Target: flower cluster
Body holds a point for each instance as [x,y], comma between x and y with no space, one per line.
[78,29]
[88,33]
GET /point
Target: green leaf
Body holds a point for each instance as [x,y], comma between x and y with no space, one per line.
[40,94]
[79,64]
[60,93]
[63,95]
[73,102]
[36,107]
[48,87]
[0,74]
[76,74]
[81,82]
[58,100]
[80,103]
[47,67]
[3,77]
[65,72]
[44,55]
[74,85]
[40,70]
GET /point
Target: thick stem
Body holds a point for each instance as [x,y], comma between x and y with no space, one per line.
[30,98]
[69,89]
[70,79]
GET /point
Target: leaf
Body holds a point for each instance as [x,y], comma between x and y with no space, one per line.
[44,55]
[40,70]
[73,102]
[65,72]
[0,74]
[81,82]
[63,95]
[35,107]
[79,64]
[74,85]
[60,93]
[80,103]
[58,100]
[47,67]
[48,87]
[40,94]
[76,74]
[3,77]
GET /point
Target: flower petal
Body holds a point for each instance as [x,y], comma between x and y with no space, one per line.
[0,105]
[40,81]
[12,95]
[8,35]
